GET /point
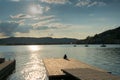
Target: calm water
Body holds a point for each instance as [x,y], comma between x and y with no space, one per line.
[29,58]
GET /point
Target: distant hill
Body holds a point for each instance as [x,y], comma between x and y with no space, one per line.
[33,41]
[108,37]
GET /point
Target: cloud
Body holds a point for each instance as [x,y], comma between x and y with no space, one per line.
[43,23]
[56,1]
[15,0]
[47,8]
[42,28]
[58,25]
[89,3]
[48,22]
[9,28]
[49,25]
[24,29]
[21,16]
[41,18]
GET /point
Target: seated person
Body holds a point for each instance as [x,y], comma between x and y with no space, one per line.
[65,57]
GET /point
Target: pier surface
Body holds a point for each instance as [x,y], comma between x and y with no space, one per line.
[6,68]
[4,64]
[79,70]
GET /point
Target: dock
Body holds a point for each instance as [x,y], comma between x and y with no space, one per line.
[72,69]
[6,68]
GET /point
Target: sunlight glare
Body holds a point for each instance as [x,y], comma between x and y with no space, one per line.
[34,48]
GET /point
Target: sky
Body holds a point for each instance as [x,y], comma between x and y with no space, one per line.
[57,18]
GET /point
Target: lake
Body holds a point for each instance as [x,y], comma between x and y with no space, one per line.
[29,65]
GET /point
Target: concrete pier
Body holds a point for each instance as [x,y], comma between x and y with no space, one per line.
[6,68]
[72,69]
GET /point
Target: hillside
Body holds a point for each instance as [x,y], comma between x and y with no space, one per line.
[32,41]
[109,37]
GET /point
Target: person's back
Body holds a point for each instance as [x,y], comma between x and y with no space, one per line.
[65,56]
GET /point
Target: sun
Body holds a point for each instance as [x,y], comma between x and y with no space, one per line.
[33,9]
[36,9]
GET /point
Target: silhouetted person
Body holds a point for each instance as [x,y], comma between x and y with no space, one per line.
[65,57]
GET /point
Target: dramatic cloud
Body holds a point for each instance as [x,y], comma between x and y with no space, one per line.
[24,29]
[21,16]
[89,3]
[56,1]
[9,28]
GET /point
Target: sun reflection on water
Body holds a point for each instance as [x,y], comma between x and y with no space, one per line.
[34,48]
[31,67]
[34,69]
